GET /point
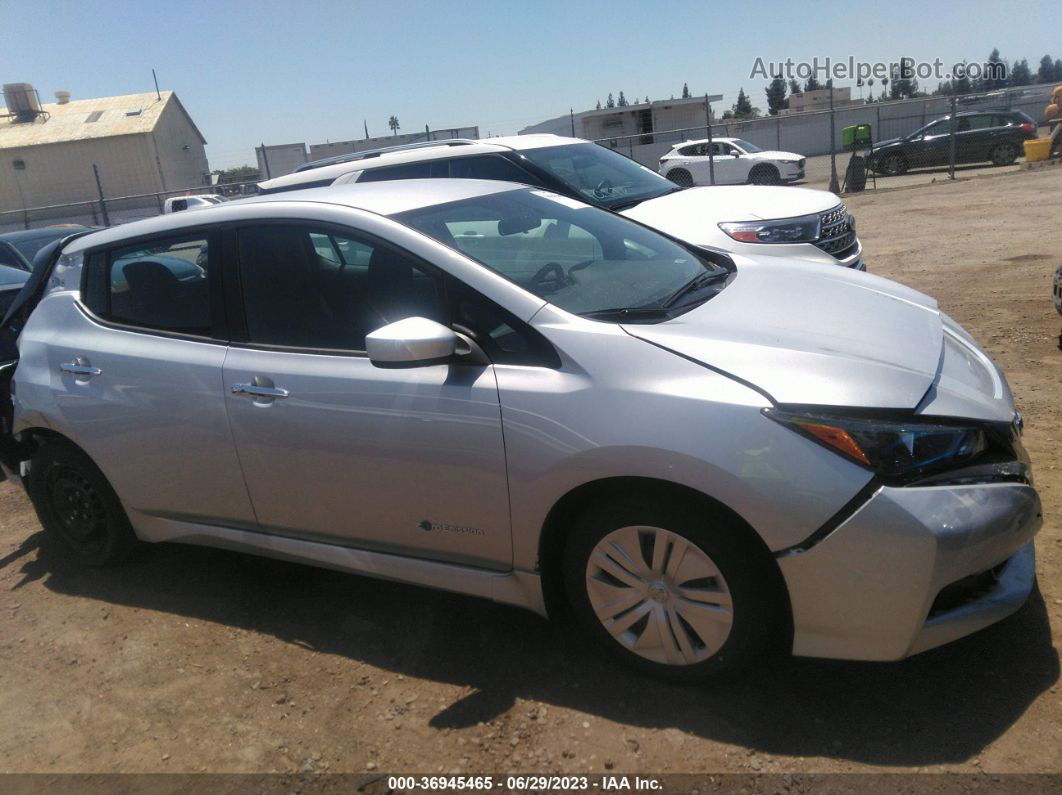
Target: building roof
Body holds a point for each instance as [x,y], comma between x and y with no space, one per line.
[110,116]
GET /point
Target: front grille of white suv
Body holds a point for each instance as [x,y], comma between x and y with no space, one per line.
[837,236]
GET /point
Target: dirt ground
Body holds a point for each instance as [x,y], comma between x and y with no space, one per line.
[198,660]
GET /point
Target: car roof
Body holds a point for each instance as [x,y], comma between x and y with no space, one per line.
[705,141]
[418,154]
[59,230]
[382,198]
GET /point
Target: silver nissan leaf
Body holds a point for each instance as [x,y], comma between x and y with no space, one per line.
[504,392]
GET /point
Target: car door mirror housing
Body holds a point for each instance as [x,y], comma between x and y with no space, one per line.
[411,342]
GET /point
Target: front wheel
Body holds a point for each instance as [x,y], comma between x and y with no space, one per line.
[893,165]
[671,589]
[77,507]
[765,175]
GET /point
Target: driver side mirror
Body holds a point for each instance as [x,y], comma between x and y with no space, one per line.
[735,154]
[411,342]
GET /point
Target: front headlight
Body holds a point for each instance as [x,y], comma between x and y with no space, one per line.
[804,229]
[894,449]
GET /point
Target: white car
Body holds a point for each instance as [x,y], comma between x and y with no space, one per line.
[737,162]
[797,223]
[176,204]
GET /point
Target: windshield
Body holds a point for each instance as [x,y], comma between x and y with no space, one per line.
[750,148]
[600,176]
[582,259]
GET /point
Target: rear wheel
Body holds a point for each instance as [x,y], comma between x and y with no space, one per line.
[671,589]
[1003,154]
[765,175]
[77,507]
[681,177]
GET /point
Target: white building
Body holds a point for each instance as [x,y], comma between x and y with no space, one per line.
[819,99]
[336,148]
[641,119]
[276,160]
[140,143]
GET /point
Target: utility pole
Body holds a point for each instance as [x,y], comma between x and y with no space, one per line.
[156,79]
[834,185]
[99,189]
[708,125]
[571,113]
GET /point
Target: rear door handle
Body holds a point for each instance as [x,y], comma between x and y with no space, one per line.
[252,390]
[80,367]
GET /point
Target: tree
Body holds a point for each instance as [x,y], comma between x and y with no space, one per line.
[1020,74]
[599,104]
[902,87]
[962,85]
[394,125]
[995,77]
[646,99]
[776,96]
[622,101]
[685,91]
[811,84]
[1058,68]
[227,176]
[794,86]
[1046,72]
[743,107]
[610,102]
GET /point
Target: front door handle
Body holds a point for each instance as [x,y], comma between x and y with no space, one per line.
[253,390]
[80,367]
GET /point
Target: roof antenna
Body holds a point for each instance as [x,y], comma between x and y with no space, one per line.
[155,77]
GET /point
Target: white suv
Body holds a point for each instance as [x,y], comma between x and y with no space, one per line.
[797,223]
[736,162]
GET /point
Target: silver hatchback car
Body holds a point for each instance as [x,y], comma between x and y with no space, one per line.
[504,392]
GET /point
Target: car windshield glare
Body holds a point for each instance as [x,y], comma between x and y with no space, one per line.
[582,259]
[750,148]
[599,175]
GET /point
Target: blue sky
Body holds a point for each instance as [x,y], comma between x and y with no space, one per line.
[311,71]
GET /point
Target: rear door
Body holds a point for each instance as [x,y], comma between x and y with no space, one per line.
[133,372]
[333,448]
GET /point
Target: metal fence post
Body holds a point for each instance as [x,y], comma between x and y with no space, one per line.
[951,141]
[777,132]
[835,186]
[103,203]
[711,146]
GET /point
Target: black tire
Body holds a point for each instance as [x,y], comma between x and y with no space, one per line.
[1003,154]
[681,177]
[893,165]
[764,175]
[80,513]
[745,565]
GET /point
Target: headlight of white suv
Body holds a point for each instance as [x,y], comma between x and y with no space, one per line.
[804,229]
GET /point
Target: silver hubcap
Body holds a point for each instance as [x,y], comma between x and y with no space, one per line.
[659,595]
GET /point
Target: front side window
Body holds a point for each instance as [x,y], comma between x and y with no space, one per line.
[162,285]
[306,287]
[582,259]
[599,175]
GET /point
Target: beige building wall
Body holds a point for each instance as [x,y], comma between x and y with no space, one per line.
[62,172]
[181,155]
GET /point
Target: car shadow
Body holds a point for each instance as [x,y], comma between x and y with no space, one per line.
[942,706]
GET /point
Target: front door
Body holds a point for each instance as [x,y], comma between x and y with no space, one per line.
[333,448]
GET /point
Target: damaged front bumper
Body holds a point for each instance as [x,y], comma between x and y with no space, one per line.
[914,568]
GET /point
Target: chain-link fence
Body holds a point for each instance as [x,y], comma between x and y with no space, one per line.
[111,210]
[988,128]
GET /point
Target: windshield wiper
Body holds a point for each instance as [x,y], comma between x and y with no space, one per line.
[696,283]
[628,313]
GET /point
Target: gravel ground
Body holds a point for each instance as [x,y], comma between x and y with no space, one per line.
[198,660]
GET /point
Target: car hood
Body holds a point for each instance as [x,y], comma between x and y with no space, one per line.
[686,212]
[888,142]
[774,155]
[806,335]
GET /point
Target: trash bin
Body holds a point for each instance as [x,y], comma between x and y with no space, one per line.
[1037,149]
